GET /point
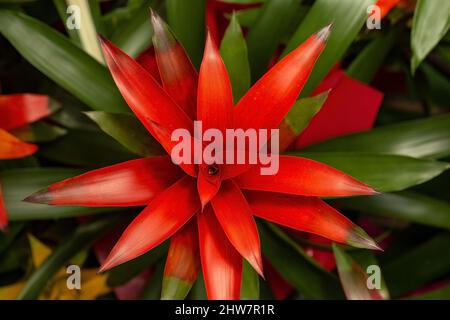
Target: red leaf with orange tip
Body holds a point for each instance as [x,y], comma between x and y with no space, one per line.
[12,148]
[215,98]
[151,104]
[130,183]
[221,263]
[236,219]
[178,75]
[352,106]
[3,213]
[308,214]
[304,177]
[164,215]
[270,99]
[20,109]
[183,262]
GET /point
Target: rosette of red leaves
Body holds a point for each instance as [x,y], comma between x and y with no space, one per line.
[208,211]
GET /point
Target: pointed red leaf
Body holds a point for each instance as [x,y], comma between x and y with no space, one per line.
[215,98]
[183,262]
[221,263]
[11,147]
[236,219]
[351,107]
[164,216]
[178,75]
[3,212]
[147,60]
[208,184]
[270,99]
[309,214]
[151,104]
[130,183]
[304,177]
[17,110]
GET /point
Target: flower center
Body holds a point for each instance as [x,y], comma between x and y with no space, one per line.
[213,170]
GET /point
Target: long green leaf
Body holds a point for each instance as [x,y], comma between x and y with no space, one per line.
[250,283]
[62,61]
[135,34]
[371,58]
[267,32]
[431,23]
[298,269]
[125,272]
[385,173]
[425,263]
[427,138]
[80,239]
[436,294]
[128,131]
[347,16]
[353,277]
[20,183]
[409,206]
[233,50]
[152,290]
[187,20]
[86,148]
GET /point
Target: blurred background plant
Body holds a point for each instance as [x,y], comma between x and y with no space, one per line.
[376,107]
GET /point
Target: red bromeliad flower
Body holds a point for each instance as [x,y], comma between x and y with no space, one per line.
[18,110]
[208,211]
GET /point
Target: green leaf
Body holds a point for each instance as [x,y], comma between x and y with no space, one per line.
[427,138]
[353,278]
[62,61]
[126,271]
[79,240]
[187,20]
[61,7]
[86,148]
[152,290]
[347,16]
[39,132]
[303,111]
[198,291]
[366,258]
[297,267]
[423,264]
[430,24]
[20,183]
[233,50]
[250,282]
[436,294]
[267,32]
[128,131]
[134,35]
[409,206]
[385,173]
[371,58]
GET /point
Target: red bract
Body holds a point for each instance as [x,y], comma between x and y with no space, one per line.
[17,110]
[214,197]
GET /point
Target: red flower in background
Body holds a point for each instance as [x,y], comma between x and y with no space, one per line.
[18,110]
[209,210]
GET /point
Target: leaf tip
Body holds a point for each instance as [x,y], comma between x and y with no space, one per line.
[360,239]
[324,33]
[41,196]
